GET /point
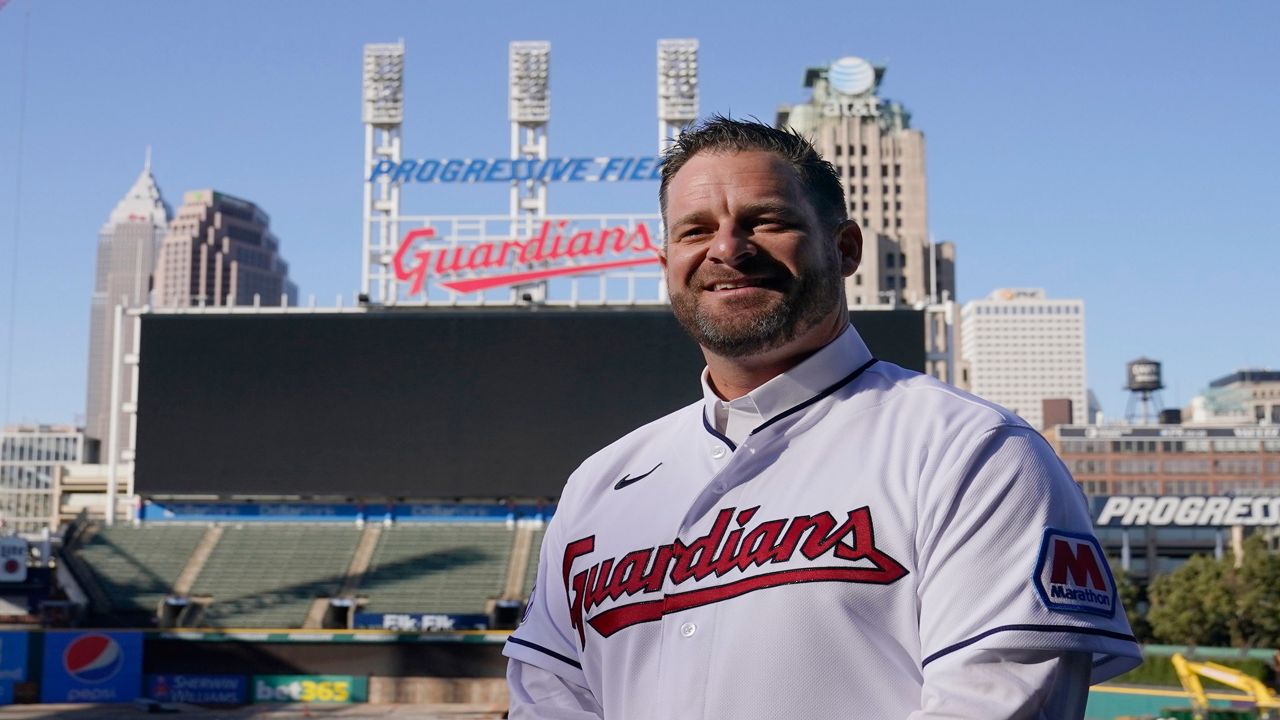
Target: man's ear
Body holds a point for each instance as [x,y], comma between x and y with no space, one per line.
[849,245]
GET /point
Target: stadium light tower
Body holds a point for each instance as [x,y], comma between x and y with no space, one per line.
[530,111]
[383,114]
[677,87]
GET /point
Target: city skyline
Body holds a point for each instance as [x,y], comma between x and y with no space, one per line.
[1117,156]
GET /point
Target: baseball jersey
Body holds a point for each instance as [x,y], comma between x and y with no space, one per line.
[885,522]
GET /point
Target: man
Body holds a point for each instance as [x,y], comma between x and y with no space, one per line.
[824,535]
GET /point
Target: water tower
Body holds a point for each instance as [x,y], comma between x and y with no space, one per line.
[1144,383]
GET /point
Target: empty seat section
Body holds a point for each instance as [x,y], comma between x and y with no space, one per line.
[266,576]
[437,568]
[531,570]
[136,567]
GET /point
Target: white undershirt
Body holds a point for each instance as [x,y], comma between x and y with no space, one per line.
[735,419]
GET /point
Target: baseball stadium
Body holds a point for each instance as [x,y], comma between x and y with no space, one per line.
[322,506]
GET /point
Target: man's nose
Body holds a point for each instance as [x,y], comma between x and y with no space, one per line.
[730,246]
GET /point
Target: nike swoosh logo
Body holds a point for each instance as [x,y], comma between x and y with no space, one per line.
[627,479]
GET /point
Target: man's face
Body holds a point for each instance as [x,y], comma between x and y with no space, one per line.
[750,267]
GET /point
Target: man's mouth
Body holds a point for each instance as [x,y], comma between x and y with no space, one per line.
[740,284]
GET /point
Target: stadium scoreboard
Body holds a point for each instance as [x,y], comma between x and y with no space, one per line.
[414,403]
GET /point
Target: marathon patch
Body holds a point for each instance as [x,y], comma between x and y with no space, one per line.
[1072,574]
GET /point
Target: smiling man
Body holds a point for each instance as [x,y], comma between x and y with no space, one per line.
[824,534]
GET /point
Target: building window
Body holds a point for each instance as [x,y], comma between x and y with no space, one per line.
[884,170]
[857,280]
[864,149]
[897,170]
[889,259]
[897,205]
[864,171]
[890,282]
[839,150]
[902,259]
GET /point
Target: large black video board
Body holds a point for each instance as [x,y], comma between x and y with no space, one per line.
[475,403]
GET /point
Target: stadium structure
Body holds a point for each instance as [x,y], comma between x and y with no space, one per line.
[363,489]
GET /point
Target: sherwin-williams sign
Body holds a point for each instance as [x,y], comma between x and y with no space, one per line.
[310,688]
[199,689]
[91,667]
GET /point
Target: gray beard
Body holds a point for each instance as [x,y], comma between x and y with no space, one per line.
[810,298]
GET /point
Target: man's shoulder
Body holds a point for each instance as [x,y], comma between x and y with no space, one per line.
[897,391]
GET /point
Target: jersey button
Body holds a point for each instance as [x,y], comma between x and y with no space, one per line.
[688,629]
[718,451]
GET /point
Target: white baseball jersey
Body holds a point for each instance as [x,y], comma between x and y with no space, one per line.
[817,568]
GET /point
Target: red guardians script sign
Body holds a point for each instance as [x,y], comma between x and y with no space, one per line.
[468,258]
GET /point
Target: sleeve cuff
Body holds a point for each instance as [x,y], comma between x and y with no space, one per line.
[533,653]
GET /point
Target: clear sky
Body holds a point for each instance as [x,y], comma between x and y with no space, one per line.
[1123,153]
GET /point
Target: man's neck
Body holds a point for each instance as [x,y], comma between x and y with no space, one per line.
[733,377]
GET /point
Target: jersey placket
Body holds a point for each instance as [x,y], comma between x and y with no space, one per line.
[688,636]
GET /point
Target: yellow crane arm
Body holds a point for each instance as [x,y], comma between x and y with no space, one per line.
[1189,673]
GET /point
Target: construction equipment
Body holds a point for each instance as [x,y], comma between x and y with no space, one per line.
[1190,672]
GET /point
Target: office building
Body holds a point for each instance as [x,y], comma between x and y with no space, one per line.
[1244,396]
[881,161]
[220,251]
[31,458]
[1020,348]
[1161,493]
[127,246]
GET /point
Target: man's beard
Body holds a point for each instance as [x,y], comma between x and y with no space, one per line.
[805,301]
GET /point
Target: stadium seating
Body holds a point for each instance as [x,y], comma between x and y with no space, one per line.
[437,568]
[531,569]
[136,567]
[266,576]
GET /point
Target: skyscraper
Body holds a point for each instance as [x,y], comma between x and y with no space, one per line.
[880,159]
[220,251]
[1021,348]
[126,256]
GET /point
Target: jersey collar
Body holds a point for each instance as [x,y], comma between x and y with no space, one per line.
[835,361]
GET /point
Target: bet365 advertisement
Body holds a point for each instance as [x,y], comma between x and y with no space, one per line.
[91,667]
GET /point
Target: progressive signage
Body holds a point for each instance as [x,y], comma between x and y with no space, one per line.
[199,689]
[472,254]
[97,667]
[1186,511]
[505,170]
[336,689]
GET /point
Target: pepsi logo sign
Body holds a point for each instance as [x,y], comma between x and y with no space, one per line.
[92,658]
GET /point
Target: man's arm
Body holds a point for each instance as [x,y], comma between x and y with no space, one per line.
[1009,685]
[1006,553]
[536,694]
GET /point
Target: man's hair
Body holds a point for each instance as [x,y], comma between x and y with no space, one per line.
[719,134]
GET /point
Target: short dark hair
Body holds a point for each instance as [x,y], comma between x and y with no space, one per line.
[721,134]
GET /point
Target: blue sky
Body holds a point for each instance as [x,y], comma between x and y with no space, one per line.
[1123,153]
